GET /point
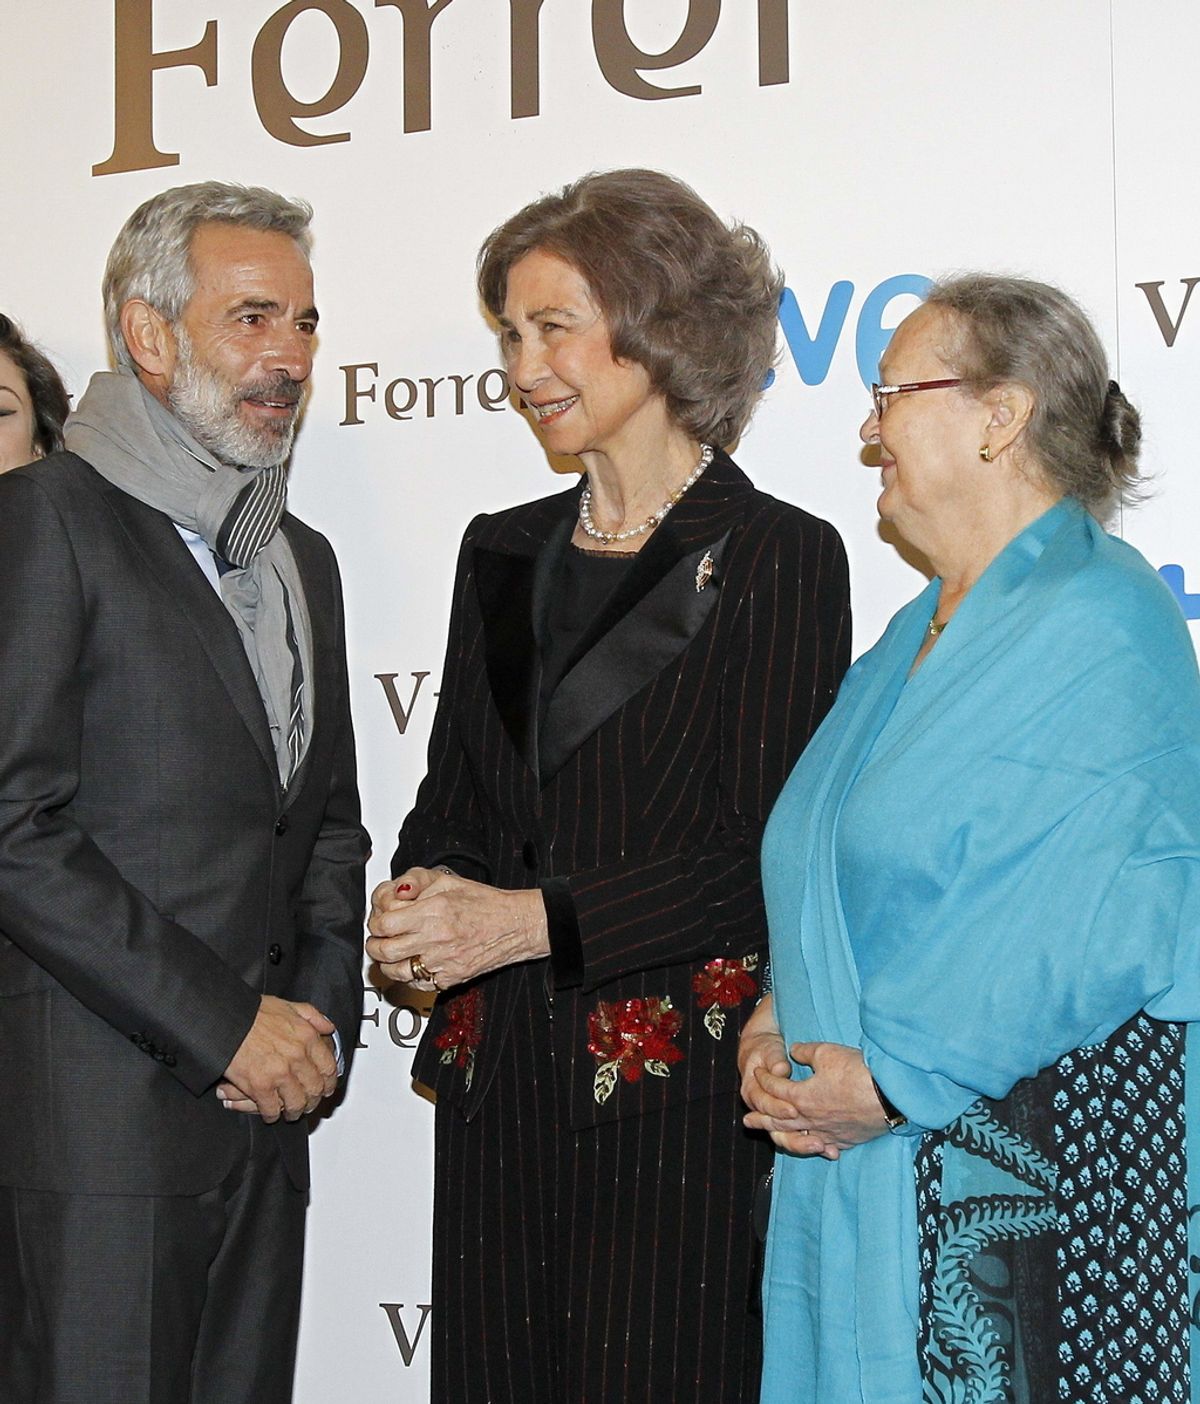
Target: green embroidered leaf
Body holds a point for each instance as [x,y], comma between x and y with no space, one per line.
[605,1081]
[658,1068]
[448,1055]
[470,1069]
[714,1020]
[751,961]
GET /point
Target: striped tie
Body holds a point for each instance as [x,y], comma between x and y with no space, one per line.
[296,719]
[254,517]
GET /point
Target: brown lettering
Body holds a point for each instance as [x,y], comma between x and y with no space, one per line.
[525,56]
[407,1347]
[135,64]
[417,85]
[353,393]
[400,715]
[394,410]
[404,1013]
[459,382]
[1169,328]
[773,62]
[373,1016]
[621,61]
[277,108]
[488,401]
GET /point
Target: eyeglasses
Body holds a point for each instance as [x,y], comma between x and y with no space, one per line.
[879,393]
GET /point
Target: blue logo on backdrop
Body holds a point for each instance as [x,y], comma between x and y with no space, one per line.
[1189,603]
[813,355]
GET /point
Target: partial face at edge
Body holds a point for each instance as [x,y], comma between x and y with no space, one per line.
[17,423]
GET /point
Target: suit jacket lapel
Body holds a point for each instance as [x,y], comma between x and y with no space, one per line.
[170,562]
[651,617]
[639,645]
[513,588]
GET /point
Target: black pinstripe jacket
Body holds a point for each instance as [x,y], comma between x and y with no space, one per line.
[637,800]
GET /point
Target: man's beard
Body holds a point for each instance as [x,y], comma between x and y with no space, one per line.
[207,405]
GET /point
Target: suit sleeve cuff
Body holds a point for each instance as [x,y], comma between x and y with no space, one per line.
[562,928]
[464,865]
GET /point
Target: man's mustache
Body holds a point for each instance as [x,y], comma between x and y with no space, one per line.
[281,389]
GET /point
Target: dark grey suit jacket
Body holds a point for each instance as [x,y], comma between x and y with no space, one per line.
[154,878]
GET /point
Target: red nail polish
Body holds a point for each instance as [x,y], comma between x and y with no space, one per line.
[404,887]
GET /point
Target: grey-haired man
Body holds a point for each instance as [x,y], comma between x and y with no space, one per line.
[181,857]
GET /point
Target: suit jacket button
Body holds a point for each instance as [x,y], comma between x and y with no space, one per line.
[281,825]
[529,854]
[275,954]
[169,1059]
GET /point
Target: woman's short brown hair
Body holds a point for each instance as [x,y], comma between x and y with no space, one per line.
[691,299]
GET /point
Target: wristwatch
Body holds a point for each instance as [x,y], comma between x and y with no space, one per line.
[892,1114]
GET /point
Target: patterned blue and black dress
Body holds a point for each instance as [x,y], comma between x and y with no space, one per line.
[1054,1233]
[986,877]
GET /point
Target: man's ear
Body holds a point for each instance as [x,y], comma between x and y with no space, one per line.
[151,342]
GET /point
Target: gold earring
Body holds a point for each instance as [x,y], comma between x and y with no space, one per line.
[986,453]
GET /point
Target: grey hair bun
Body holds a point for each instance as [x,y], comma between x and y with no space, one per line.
[1120,429]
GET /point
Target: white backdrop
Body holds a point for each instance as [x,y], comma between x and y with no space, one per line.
[868,142]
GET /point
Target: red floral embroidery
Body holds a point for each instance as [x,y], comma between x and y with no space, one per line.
[631,1037]
[463,1032]
[721,985]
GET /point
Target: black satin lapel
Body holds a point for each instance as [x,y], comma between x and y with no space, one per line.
[638,646]
[545,572]
[659,555]
[512,591]
[172,564]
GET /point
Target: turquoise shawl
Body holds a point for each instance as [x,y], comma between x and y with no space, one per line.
[1032,796]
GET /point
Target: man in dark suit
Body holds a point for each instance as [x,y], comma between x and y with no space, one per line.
[181,857]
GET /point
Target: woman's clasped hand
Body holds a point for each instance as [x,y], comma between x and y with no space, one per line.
[457,928]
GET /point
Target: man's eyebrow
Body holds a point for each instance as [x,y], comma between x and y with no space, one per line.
[266,304]
[254,304]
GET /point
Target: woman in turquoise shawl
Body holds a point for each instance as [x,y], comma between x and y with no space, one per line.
[983,884]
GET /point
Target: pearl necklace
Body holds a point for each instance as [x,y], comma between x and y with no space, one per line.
[606,538]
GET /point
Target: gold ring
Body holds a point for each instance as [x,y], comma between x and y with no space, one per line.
[420,971]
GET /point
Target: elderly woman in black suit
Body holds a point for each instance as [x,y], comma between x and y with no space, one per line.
[632,669]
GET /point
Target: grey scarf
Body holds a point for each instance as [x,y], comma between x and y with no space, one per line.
[140,447]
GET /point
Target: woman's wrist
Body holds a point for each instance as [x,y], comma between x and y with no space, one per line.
[532,920]
[892,1114]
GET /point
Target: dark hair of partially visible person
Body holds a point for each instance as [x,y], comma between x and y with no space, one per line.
[1084,434]
[692,300]
[47,394]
